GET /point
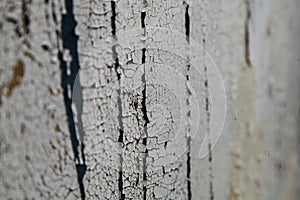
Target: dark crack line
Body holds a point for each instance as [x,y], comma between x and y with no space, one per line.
[120,140]
[146,119]
[247,34]
[113,18]
[188,161]
[143,16]
[187,22]
[211,186]
[188,175]
[119,101]
[25,16]
[207,109]
[69,41]
[144,111]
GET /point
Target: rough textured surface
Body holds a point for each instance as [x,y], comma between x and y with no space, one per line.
[124,99]
[36,156]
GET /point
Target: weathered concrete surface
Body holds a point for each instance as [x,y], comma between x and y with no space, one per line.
[147,101]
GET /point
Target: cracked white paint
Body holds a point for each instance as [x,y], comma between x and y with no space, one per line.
[146,90]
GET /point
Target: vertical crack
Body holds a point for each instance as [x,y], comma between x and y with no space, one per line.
[143,16]
[146,119]
[188,161]
[207,109]
[144,111]
[113,18]
[187,22]
[211,186]
[119,101]
[121,135]
[69,42]
[247,34]
[144,107]
[25,16]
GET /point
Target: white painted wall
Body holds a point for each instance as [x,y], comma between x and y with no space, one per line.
[154,83]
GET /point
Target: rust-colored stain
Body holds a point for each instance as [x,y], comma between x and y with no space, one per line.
[50,90]
[53,91]
[18,73]
[245,182]
[57,128]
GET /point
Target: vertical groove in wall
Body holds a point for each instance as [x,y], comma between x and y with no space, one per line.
[188,161]
[247,34]
[211,186]
[144,111]
[113,18]
[143,15]
[119,101]
[25,16]
[207,111]
[69,42]
[187,22]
